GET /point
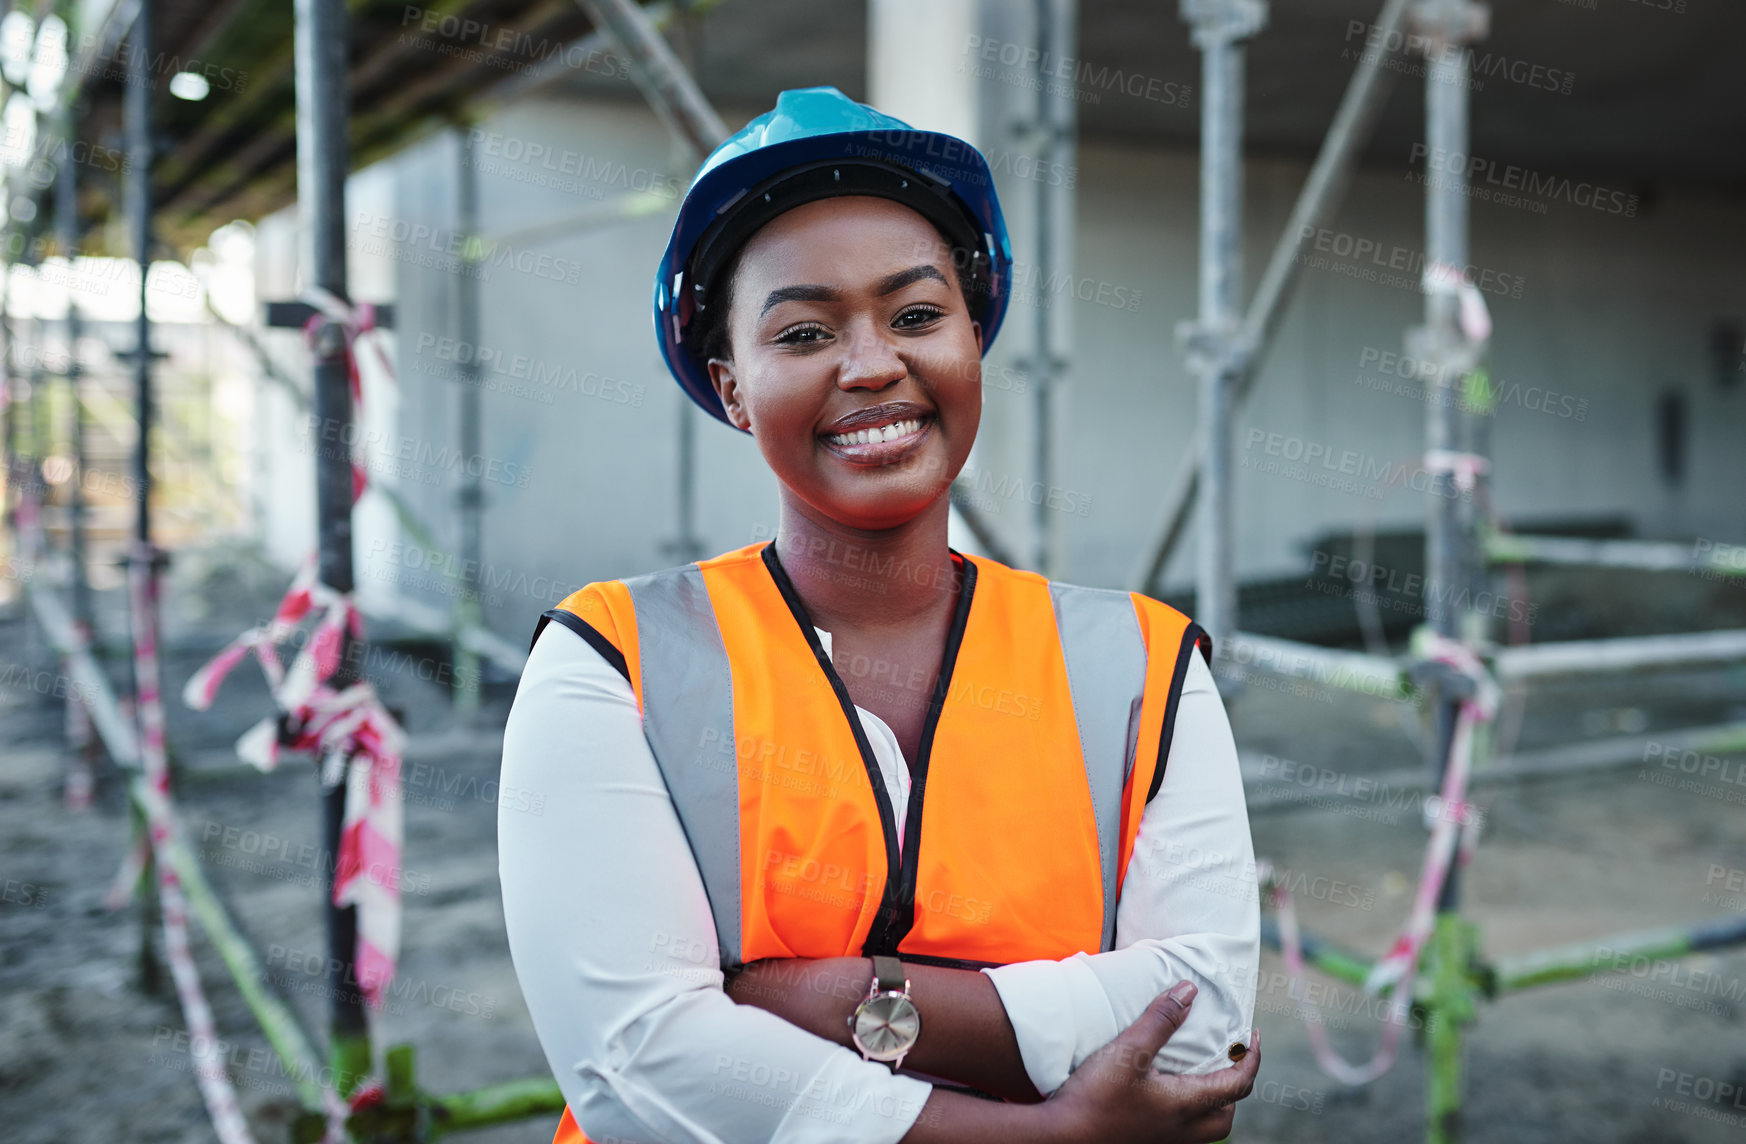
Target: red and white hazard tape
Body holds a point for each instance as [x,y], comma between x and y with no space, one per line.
[1454,824]
[1466,468]
[350,732]
[1447,278]
[356,740]
[215,1087]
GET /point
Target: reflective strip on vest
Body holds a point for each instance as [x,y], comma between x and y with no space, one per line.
[1106,673]
[687,694]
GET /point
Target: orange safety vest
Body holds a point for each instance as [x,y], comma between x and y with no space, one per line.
[1051,721]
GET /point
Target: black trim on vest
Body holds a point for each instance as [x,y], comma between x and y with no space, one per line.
[887,816]
[896,916]
[949,962]
[918,782]
[1192,636]
[586,630]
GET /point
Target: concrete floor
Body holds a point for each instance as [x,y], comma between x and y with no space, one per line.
[85,1056]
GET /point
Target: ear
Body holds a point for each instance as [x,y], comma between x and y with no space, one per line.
[976,328]
[727,387]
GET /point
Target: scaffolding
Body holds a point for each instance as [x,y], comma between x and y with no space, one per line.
[1450,668]
[348,1096]
[1437,972]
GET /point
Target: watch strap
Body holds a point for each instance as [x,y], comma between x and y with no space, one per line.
[888,975]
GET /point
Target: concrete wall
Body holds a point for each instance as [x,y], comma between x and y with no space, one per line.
[580,418]
[1604,311]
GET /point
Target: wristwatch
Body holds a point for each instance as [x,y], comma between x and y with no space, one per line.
[886,1023]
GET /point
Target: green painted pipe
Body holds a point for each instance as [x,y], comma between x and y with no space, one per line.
[496,1104]
[1616,953]
[277,1021]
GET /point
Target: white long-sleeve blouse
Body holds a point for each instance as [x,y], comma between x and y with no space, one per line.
[615,946]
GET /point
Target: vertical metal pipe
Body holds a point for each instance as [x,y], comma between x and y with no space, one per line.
[67,233]
[687,545]
[137,113]
[1445,242]
[471,497]
[40,430]
[1056,36]
[1042,358]
[9,391]
[1447,25]
[136,118]
[1219,28]
[323,155]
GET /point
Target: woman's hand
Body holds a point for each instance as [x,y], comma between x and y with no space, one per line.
[1116,1096]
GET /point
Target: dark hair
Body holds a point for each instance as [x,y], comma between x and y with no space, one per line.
[706,336]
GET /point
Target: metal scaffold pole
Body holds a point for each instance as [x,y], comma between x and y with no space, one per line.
[1212,340]
[323,151]
[1056,129]
[1322,191]
[143,586]
[137,114]
[67,234]
[471,496]
[1447,27]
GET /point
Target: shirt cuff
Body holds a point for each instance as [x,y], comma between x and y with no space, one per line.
[842,1102]
[1059,1014]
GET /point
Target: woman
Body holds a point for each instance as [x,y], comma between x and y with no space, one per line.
[851,802]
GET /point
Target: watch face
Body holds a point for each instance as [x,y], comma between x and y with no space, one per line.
[887,1025]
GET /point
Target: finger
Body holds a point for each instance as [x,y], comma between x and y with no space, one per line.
[1212,1127]
[1213,1090]
[1160,1020]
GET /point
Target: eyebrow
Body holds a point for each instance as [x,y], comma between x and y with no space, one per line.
[890,284]
[895,282]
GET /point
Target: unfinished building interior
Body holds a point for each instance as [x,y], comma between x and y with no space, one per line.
[1402,343]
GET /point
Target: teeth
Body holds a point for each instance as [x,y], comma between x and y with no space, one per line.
[869,436]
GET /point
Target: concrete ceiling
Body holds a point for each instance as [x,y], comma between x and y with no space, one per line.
[1654,96]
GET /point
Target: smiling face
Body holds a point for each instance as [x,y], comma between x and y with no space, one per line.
[855,362]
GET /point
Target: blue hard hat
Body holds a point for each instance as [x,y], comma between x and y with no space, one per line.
[815,144]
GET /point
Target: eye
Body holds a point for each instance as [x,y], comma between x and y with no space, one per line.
[809,334]
[916,317]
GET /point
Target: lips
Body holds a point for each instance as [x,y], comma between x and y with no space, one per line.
[877,417]
[879,434]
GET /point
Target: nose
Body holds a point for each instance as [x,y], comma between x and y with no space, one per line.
[871,360]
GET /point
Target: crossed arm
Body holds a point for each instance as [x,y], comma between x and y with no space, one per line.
[968,1036]
[613,945]
[1188,911]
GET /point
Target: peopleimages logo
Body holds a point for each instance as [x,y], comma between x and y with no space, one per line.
[1407,261]
[1482,65]
[588,169]
[1076,77]
[1501,180]
[487,255]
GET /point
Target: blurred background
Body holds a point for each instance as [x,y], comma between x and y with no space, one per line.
[511,170]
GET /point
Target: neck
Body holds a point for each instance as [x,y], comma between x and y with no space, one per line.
[868,578]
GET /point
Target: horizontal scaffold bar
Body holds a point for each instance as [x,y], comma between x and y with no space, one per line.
[1573,657]
[1376,676]
[1702,556]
